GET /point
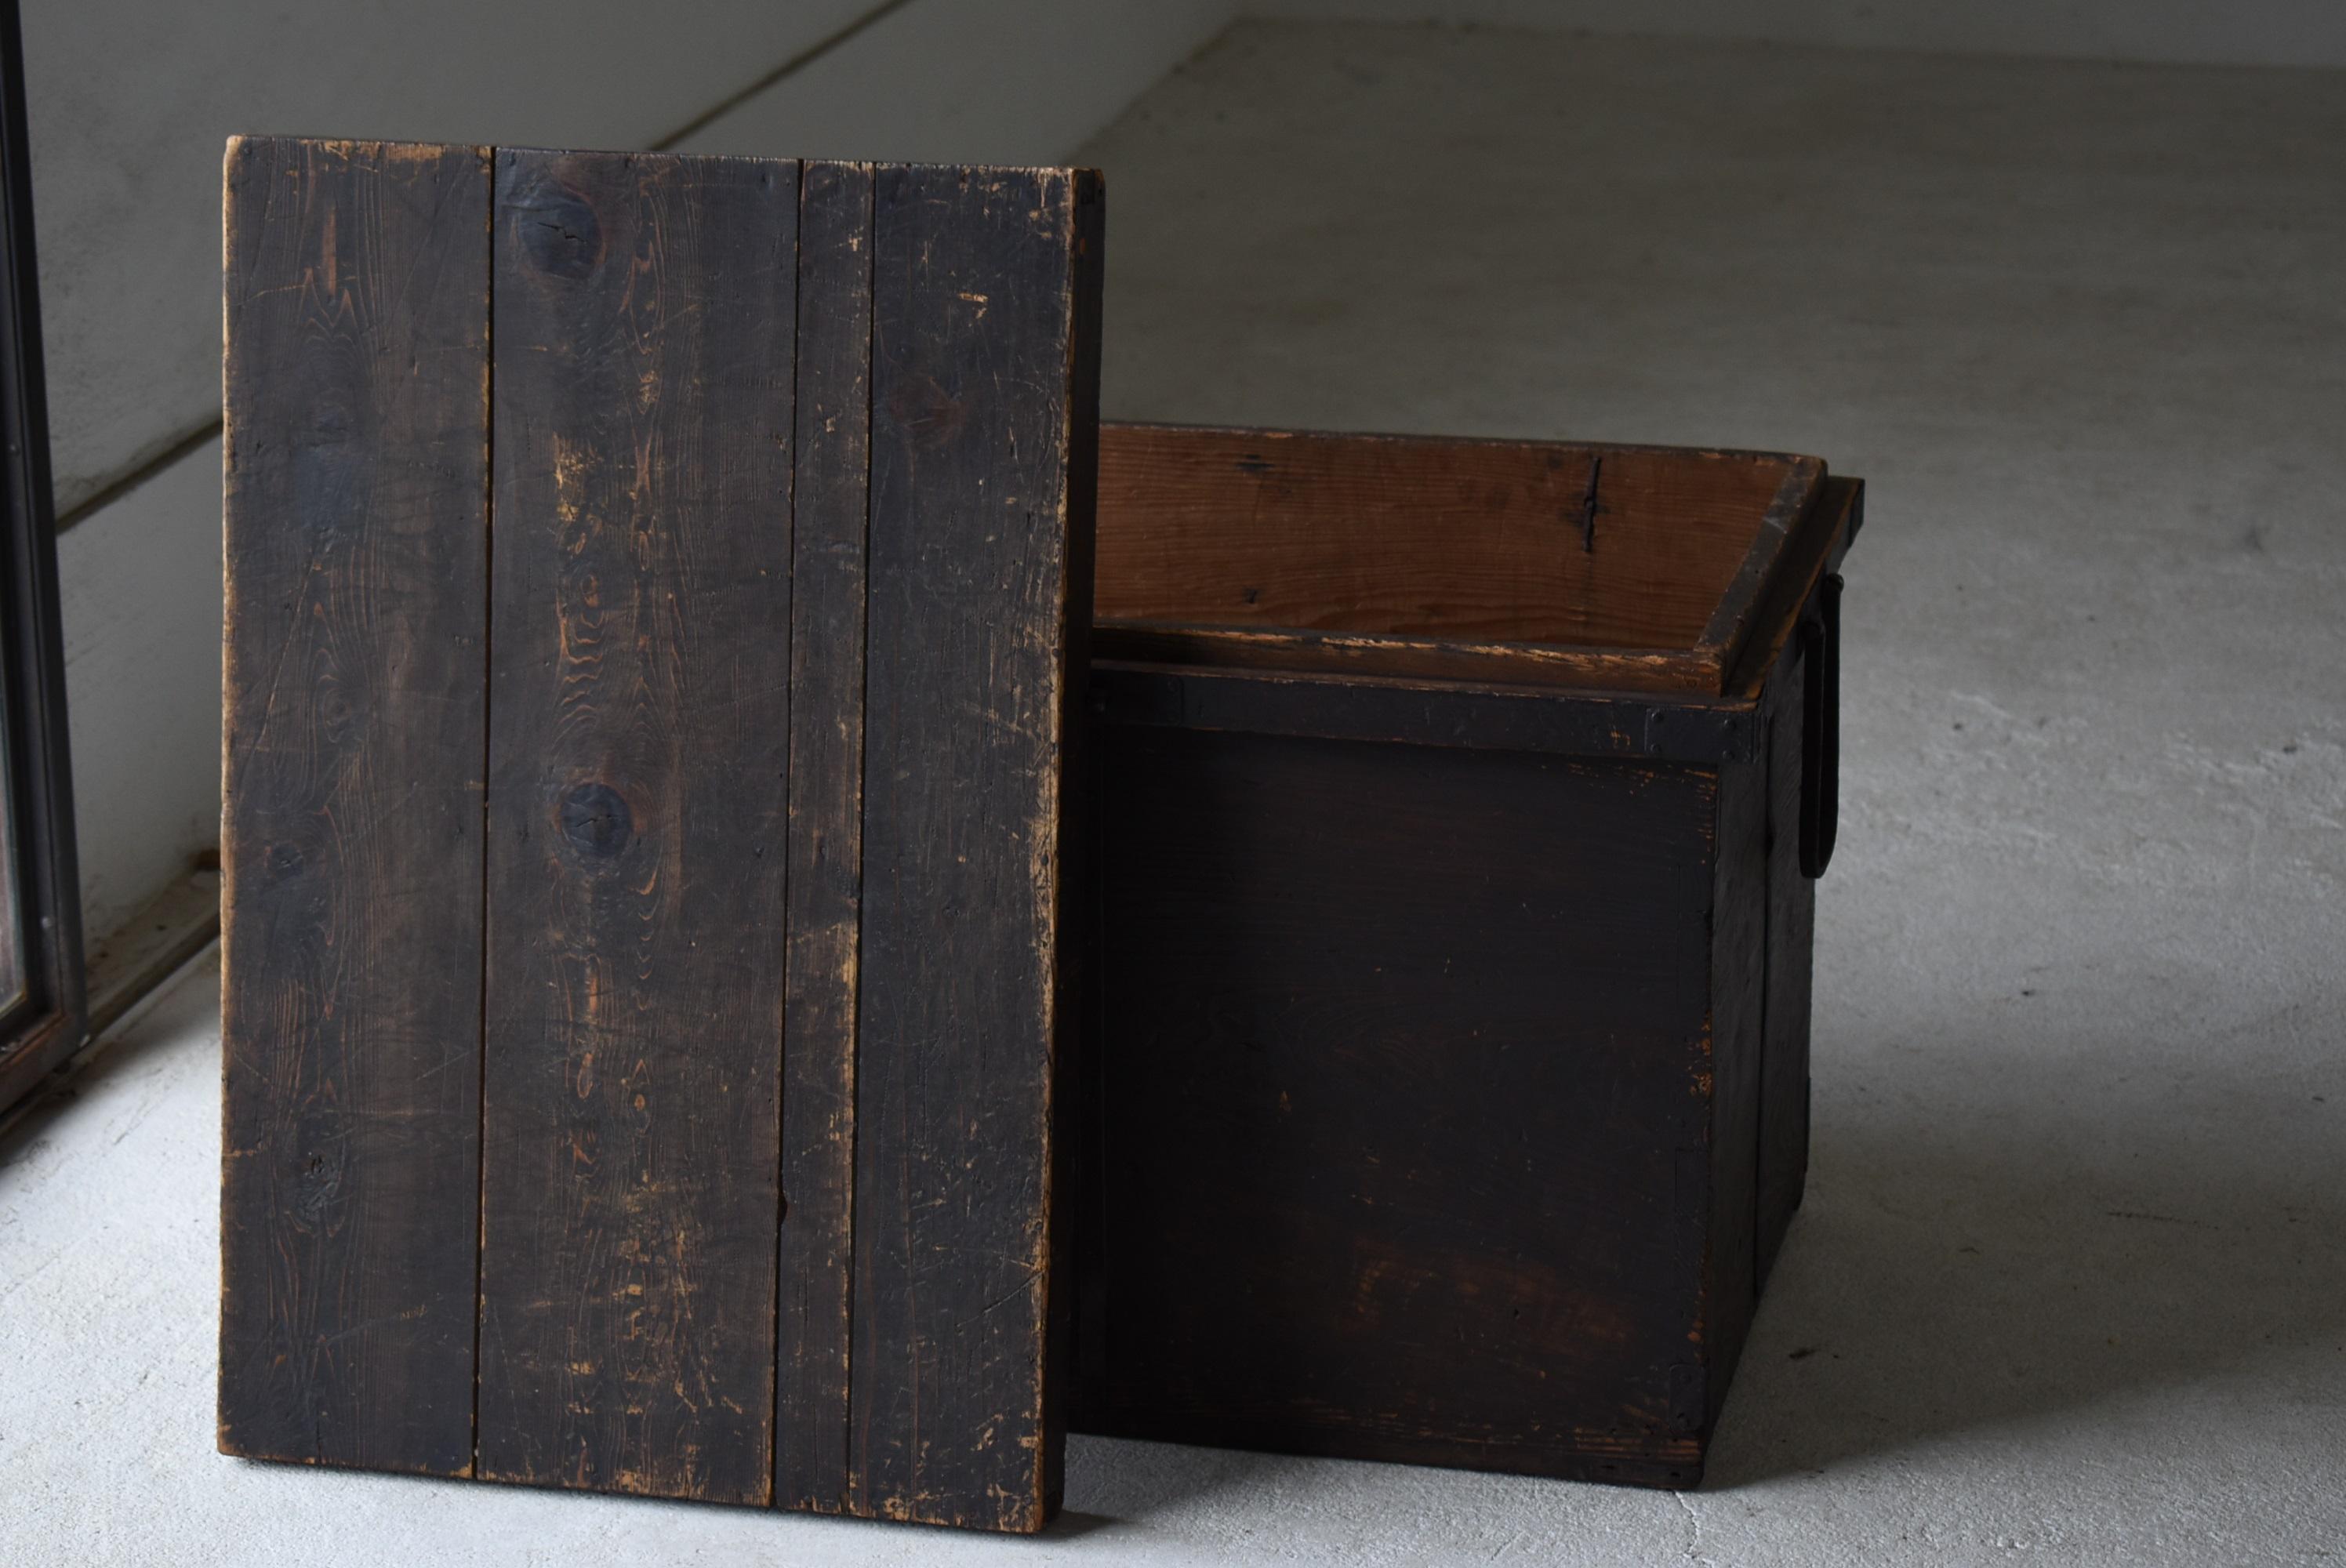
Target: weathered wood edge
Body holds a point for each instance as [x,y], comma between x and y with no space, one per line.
[565,1253]
[1731,623]
[239,148]
[1087,287]
[887,1481]
[1737,975]
[1520,443]
[1817,547]
[830,536]
[1788,539]
[1691,670]
[1788,989]
[1424,713]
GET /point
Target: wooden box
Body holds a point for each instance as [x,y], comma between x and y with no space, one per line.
[1457,808]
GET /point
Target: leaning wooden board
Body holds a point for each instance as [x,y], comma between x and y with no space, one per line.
[657,590]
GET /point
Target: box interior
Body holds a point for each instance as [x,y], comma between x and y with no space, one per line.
[1540,546]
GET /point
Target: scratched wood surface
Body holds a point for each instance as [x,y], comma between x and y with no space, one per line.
[356,547]
[12,948]
[638,756]
[973,603]
[649,732]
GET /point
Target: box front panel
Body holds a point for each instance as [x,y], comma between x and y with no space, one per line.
[1402,1102]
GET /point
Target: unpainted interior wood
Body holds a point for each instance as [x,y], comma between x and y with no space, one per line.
[1489,541]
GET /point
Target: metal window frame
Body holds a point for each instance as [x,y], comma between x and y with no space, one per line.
[49,1021]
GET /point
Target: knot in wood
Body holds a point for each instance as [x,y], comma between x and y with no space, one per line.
[595,819]
[559,233]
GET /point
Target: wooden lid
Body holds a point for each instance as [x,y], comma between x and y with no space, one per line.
[656,588]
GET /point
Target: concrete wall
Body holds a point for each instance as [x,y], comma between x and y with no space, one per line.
[130,103]
[2189,31]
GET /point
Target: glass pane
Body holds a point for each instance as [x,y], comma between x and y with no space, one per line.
[12,935]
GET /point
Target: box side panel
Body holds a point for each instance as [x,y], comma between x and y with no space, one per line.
[356,546]
[1404,1102]
[1791,940]
[640,728]
[1738,979]
[1471,540]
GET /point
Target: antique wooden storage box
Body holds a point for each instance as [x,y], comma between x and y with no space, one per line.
[1458,803]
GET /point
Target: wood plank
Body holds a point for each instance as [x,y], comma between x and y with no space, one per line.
[978,363]
[1073,1302]
[357,315]
[1817,543]
[826,864]
[639,748]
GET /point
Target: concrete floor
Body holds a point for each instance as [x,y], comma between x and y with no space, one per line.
[2071,1281]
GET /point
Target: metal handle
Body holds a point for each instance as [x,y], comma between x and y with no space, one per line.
[1821,728]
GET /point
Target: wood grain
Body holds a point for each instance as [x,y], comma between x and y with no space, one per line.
[1385,657]
[639,732]
[826,849]
[1742,606]
[977,363]
[355,454]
